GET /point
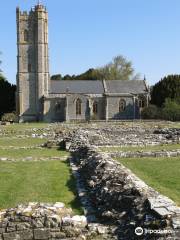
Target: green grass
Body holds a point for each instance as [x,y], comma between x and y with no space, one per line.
[35,153]
[163,174]
[49,181]
[23,126]
[23,129]
[141,148]
[20,142]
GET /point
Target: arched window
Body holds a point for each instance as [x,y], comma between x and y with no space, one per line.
[57,107]
[122,105]
[78,106]
[95,107]
[26,35]
[141,103]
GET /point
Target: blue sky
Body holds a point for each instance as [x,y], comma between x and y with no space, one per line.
[89,33]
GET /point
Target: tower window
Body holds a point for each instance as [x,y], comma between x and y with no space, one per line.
[26,36]
[122,105]
[29,67]
[95,107]
[78,106]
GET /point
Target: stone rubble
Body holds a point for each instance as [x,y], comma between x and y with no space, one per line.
[141,154]
[115,196]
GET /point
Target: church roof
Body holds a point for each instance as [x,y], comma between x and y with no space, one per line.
[98,86]
[77,86]
[124,86]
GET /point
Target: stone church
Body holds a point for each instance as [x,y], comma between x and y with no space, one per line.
[42,99]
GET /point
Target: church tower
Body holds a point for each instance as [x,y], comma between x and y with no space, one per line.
[32,63]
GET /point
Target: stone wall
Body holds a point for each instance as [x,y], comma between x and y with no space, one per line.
[113,108]
[117,197]
[140,154]
[38,221]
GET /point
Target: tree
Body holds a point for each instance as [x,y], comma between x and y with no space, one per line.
[56,77]
[90,74]
[0,63]
[119,69]
[168,87]
[67,77]
[7,96]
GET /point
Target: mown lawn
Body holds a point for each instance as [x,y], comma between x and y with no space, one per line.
[20,142]
[49,181]
[141,148]
[163,174]
[34,153]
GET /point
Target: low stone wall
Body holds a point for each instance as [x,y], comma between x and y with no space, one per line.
[140,154]
[116,196]
[37,221]
[112,136]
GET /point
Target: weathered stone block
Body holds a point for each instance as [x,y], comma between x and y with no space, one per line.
[58,235]
[11,236]
[26,234]
[22,226]
[40,234]
[11,229]
[2,230]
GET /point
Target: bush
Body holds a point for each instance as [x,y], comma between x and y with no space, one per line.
[171,110]
[9,117]
[151,112]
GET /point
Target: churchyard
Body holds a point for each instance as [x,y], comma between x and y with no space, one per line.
[90,168]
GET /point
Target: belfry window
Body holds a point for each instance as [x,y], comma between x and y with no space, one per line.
[95,107]
[26,36]
[122,105]
[78,106]
[29,67]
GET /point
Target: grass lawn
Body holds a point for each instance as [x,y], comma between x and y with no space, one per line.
[21,142]
[35,153]
[141,148]
[49,181]
[24,126]
[163,174]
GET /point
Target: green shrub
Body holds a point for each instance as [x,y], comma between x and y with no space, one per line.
[171,110]
[9,117]
[151,112]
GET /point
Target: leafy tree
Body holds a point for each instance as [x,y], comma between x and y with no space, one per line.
[168,87]
[67,77]
[90,74]
[0,63]
[119,69]
[7,96]
[56,77]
